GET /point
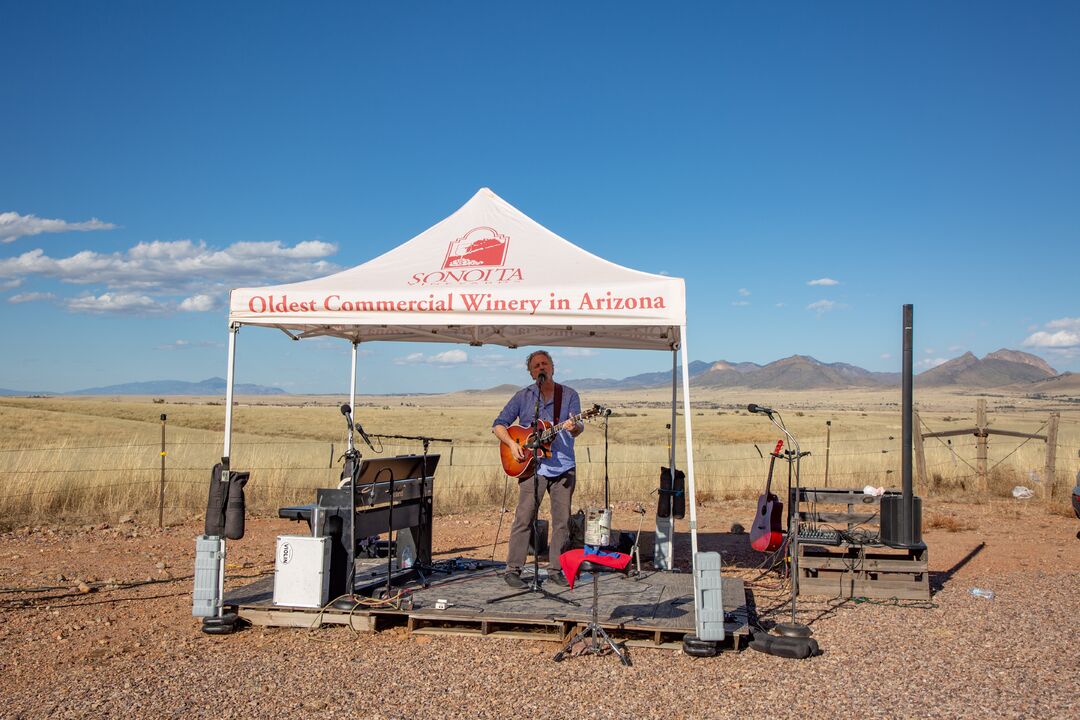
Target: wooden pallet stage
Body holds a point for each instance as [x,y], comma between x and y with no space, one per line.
[653,610]
[875,572]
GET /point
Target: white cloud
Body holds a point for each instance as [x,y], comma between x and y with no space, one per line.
[188,345]
[740,303]
[663,272]
[450,357]
[14,226]
[114,303]
[181,267]
[177,266]
[780,304]
[823,281]
[10,284]
[31,297]
[1064,324]
[824,306]
[199,303]
[576,352]
[928,363]
[744,292]
[1058,335]
[498,361]
[886,356]
[1059,339]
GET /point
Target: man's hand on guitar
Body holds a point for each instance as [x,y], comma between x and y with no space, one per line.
[573,427]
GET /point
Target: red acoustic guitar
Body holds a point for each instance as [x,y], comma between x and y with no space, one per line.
[523,437]
[766,533]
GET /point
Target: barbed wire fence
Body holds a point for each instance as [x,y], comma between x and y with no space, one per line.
[152,481]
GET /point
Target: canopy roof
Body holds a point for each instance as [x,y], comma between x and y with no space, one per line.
[488,274]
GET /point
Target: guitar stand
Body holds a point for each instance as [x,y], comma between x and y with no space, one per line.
[635,549]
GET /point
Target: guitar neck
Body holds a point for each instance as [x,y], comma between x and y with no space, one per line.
[549,434]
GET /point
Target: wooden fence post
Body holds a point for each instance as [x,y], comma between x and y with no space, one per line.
[161,487]
[920,453]
[1050,471]
[828,443]
[980,443]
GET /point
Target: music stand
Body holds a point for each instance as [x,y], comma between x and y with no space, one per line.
[368,473]
[425,473]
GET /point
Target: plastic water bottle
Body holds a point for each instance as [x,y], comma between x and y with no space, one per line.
[982,593]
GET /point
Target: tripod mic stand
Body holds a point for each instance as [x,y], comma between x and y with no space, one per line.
[535,585]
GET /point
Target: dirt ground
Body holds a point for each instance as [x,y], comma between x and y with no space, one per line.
[78,640]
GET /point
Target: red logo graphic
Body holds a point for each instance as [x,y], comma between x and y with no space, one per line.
[480,247]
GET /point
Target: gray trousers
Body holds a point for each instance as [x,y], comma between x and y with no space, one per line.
[561,489]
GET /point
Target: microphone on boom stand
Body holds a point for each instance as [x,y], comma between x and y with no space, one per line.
[755,408]
[347,412]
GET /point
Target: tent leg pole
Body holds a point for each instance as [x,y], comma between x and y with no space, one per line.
[230,381]
[674,399]
[352,380]
[663,545]
[691,497]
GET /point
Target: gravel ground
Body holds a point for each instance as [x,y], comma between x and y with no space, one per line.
[119,651]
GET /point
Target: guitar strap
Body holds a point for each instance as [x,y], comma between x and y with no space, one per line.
[558,405]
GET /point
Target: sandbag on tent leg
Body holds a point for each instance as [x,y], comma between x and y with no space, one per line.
[215,503]
[235,507]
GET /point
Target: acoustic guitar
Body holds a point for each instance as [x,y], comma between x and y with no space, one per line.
[524,437]
[766,533]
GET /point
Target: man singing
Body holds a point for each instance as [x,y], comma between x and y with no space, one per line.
[556,474]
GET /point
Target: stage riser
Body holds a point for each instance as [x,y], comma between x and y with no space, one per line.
[655,612]
[854,572]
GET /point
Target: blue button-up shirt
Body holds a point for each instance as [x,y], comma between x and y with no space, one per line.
[521,408]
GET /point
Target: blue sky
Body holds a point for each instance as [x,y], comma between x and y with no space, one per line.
[807,167]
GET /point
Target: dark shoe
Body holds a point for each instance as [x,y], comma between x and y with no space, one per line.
[558,578]
[513,579]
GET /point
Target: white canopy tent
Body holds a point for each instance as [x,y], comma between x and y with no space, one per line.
[486,275]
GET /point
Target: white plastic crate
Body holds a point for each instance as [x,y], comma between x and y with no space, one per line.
[302,571]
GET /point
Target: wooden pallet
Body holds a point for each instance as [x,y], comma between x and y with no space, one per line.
[655,610]
[859,571]
[856,569]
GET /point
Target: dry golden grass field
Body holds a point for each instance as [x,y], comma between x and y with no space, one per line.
[97,459]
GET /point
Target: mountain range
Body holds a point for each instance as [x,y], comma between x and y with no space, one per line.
[210,386]
[801,372]
[798,372]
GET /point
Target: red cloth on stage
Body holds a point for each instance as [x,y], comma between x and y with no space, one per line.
[571,561]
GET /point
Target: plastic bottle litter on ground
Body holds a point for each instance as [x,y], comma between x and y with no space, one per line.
[983,593]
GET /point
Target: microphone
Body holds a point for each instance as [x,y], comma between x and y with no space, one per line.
[360,429]
[607,412]
[754,408]
[542,378]
[347,412]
